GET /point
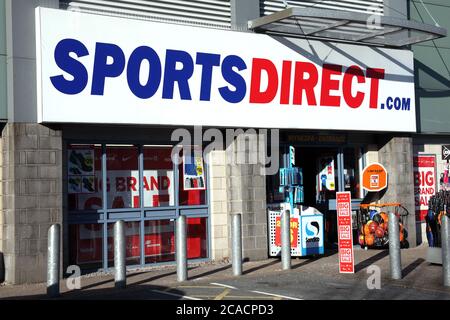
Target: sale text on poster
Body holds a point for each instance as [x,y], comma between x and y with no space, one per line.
[345,234]
[424,183]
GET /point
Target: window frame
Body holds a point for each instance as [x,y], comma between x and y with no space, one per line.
[105,216]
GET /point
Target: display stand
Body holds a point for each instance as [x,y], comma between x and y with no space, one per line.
[307,232]
[291,181]
[373,224]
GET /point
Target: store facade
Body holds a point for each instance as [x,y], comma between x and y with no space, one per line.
[121,125]
[432,140]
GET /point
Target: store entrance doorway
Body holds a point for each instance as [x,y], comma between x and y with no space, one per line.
[326,170]
[320,183]
[320,174]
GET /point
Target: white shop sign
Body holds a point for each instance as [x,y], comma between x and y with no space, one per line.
[99,69]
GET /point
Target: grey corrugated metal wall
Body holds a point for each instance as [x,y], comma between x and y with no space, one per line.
[432,66]
[375,6]
[209,13]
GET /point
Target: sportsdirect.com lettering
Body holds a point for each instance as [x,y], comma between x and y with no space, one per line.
[294,83]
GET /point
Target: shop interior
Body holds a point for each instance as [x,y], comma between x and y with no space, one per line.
[325,170]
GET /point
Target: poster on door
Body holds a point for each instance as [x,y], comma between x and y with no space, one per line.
[424,183]
[193,172]
[81,171]
[326,174]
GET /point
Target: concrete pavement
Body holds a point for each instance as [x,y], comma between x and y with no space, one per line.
[309,279]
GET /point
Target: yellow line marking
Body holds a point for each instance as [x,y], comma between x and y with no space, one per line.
[237,297]
[251,297]
[223,294]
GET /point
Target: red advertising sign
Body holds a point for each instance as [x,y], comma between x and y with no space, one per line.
[294,232]
[375,177]
[345,233]
[85,178]
[424,183]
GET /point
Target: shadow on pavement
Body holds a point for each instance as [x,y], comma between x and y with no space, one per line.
[159,276]
[201,275]
[412,266]
[143,292]
[363,264]
[96,284]
[329,252]
[93,285]
[303,263]
[271,263]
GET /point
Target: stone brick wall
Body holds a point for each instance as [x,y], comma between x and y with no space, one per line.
[397,157]
[32,197]
[247,195]
[219,208]
[371,154]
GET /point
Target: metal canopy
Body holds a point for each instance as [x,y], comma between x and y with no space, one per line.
[346,26]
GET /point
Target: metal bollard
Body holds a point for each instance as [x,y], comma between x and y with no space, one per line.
[394,247]
[445,230]
[2,268]
[286,240]
[53,260]
[181,250]
[120,269]
[237,245]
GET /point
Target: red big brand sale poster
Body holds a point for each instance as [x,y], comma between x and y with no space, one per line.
[424,183]
[345,234]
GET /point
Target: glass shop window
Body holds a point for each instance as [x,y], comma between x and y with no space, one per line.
[84,180]
[132,243]
[158,179]
[122,176]
[86,245]
[159,241]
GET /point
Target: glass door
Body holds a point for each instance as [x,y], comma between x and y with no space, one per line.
[327,175]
